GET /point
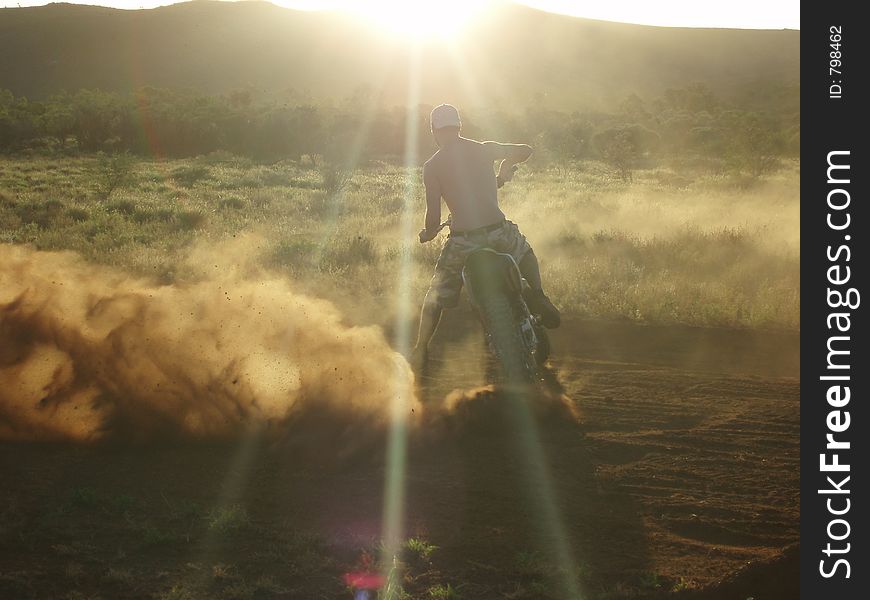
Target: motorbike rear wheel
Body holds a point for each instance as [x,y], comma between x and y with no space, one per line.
[515,361]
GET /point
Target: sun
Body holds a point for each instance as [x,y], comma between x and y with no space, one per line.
[420,20]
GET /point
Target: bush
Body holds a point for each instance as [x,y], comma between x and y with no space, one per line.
[293,252]
[124,207]
[334,178]
[188,176]
[232,203]
[113,172]
[350,252]
[191,219]
[78,214]
[42,214]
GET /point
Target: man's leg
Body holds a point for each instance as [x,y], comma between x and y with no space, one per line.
[430,316]
[443,293]
[537,300]
[530,270]
[509,239]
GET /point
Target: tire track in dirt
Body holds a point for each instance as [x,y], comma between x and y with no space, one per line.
[712,459]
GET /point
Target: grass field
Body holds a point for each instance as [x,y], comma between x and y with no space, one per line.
[678,245]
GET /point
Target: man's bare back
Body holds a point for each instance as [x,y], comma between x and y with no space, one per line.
[461,173]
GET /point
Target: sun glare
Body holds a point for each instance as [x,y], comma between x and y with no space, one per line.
[420,20]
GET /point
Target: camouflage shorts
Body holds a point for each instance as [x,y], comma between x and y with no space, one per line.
[447,281]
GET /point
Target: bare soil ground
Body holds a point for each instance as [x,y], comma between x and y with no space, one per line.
[680,480]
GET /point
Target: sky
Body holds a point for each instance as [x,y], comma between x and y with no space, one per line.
[748,14]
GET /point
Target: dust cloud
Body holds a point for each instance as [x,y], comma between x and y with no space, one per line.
[89,352]
[488,410]
[769,212]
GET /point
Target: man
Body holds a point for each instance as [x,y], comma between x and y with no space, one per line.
[461,172]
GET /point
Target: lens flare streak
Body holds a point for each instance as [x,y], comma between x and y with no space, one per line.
[397,442]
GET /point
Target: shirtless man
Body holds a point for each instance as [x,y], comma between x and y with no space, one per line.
[461,172]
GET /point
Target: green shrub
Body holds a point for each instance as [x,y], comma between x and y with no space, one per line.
[350,252]
[189,175]
[113,172]
[334,178]
[191,219]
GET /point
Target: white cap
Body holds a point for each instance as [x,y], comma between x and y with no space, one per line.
[444,115]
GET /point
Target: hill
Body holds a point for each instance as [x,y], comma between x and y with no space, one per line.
[515,57]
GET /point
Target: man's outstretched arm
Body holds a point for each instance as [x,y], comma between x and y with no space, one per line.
[509,155]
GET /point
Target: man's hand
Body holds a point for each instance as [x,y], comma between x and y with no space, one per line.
[505,173]
[425,235]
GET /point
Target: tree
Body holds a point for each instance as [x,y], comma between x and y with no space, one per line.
[622,147]
[97,118]
[113,172]
[755,143]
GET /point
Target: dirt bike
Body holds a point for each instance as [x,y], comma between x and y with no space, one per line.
[498,292]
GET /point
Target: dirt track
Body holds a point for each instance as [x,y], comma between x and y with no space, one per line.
[686,464]
[683,469]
